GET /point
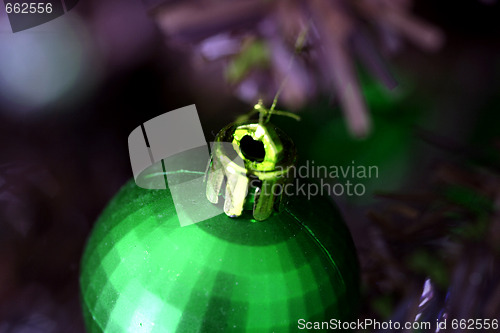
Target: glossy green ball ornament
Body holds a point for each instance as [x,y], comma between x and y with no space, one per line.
[142,272]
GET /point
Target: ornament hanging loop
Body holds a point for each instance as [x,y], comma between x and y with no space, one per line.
[253,160]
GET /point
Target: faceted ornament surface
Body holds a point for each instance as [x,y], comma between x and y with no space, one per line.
[143,272]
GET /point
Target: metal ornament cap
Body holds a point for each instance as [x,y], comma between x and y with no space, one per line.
[253,160]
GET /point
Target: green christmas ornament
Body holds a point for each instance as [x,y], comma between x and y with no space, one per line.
[276,261]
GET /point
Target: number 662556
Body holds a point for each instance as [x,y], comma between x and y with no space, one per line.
[28,8]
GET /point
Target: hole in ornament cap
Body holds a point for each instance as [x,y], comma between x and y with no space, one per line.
[253,150]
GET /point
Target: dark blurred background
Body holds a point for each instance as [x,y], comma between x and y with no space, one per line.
[73,89]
